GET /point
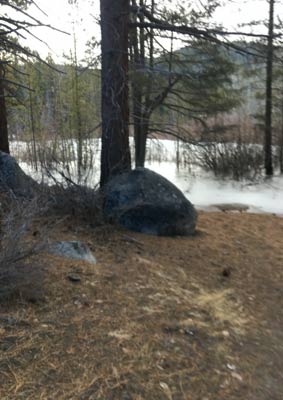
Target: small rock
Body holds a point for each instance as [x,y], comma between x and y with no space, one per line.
[189,332]
[73,250]
[231,207]
[74,278]
[78,303]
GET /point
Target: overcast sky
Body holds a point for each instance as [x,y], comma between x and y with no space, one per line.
[61,15]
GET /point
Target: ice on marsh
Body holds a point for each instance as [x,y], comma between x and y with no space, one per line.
[204,190]
[201,188]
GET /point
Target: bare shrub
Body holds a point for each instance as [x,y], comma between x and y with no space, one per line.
[18,244]
[67,197]
[62,159]
[237,160]
[78,201]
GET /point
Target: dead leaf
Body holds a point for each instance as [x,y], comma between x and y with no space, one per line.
[232,367]
[120,335]
[166,390]
[115,372]
[237,376]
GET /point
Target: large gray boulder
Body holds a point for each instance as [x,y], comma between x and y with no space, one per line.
[13,178]
[144,201]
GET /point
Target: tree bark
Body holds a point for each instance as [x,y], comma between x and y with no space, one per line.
[115,152]
[140,143]
[4,140]
[138,64]
[268,104]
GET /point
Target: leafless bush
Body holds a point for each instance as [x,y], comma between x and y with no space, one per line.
[63,158]
[68,197]
[18,243]
[237,160]
[78,201]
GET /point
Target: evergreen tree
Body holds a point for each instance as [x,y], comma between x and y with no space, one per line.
[194,82]
[11,29]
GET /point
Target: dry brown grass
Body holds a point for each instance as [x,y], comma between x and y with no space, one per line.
[154,319]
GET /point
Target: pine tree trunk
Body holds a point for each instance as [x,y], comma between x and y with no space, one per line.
[138,62]
[4,141]
[115,153]
[141,95]
[140,143]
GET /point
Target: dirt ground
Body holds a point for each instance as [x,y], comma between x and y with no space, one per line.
[195,318]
